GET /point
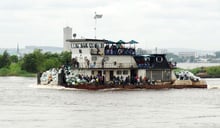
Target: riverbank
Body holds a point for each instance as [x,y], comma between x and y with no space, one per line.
[203,71]
[10,72]
[190,66]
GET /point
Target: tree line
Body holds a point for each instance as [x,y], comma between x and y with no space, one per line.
[34,62]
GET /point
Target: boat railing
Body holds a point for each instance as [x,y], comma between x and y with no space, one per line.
[120,51]
[107,65]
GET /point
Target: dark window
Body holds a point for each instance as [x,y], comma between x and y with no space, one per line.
[119,72]
[125,72]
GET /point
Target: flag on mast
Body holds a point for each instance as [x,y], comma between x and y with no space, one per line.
[97,16]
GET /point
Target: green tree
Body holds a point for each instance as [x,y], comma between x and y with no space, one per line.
[13,59]
[65,57]
[48,55]
[33,62]
[40,58]
[5,60]
[29,63]
[38,61]
[51,63]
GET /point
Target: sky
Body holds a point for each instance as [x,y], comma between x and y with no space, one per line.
[193,24]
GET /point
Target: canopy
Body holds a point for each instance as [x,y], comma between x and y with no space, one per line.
[120,42]
[133,42]
[110,42]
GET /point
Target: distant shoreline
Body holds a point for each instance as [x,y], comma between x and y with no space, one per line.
[18,74]
[209,76]
[196,65]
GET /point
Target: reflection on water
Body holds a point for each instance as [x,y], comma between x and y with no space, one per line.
[23,104]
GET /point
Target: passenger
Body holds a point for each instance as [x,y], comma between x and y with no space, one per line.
[97,80]
[127,80]
[114,80]
[132,80]
[145,80]
[122,80]
[138,80]
[103,80]
[100,80]
[111,51]
[115,50]
[107,49]
[141,80]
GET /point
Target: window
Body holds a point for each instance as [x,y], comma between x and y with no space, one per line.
[91,45]
[119,72]
[96,45]
[125,72]
[72,46]
[76,45]
[86,45]
[80,45]
[102,45]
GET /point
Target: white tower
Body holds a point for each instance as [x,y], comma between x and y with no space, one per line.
[67,34]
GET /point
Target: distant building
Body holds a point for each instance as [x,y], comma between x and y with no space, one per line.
[67,34]
[141,51]
[31,48]
[18,52]
[187,54]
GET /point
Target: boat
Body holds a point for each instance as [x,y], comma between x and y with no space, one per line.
[103,64]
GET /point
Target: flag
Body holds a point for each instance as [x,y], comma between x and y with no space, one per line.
[98,16]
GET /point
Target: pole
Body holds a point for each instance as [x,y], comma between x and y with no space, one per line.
[95,24]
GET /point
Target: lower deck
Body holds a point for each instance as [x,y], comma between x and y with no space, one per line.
[163,75]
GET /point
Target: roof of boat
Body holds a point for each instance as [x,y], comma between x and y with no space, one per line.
[80,40]
[152,55]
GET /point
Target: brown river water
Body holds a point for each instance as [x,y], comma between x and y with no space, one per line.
[23,104]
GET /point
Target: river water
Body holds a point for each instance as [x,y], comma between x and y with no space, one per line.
[23,104]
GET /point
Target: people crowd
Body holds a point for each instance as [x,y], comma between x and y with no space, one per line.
[118,49]
[70,78]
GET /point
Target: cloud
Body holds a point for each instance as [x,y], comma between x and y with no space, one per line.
[161,23]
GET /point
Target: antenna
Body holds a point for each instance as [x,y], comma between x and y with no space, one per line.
[97,16]
[17,48]
[95,24]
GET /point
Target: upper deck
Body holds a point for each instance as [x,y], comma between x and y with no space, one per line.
[101,47]
[94,53]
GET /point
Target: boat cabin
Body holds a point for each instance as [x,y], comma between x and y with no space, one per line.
[94,57]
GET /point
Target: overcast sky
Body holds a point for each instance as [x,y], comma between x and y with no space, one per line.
[153,23]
